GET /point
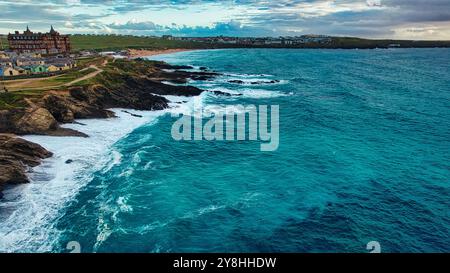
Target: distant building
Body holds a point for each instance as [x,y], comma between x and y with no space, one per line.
[167,37]
[52,68]
[36,69]
[6,62]
[29,61]
[11,71]
[62,63]
[46,43]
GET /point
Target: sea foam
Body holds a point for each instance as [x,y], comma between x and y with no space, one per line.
[29,212]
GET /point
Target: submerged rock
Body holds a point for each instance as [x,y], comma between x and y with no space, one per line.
[169,66]
[142,90]
[236,81]
[131,114]
[254,82]
[221,93]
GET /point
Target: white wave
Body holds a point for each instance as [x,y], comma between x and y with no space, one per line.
[29,212]
[115,160]
[252,81]
[186,105]
[244,76]
[123,205]
[35,207]
[253,93]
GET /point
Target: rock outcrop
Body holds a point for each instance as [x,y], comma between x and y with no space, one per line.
[35,120]
[142,90]
[16,156]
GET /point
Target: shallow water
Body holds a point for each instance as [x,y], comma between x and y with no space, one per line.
[363,156]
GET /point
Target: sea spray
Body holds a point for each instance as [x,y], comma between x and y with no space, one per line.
[230,123]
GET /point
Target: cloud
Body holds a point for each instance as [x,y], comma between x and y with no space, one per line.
[230,28]
[366,18]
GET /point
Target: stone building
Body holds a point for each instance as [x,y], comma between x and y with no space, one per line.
[45,43]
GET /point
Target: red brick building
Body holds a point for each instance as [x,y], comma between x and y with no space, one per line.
[45,43]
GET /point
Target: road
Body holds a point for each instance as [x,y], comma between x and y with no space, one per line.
[40,83]
[86,77]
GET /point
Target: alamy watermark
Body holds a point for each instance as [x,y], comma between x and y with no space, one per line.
[230,123]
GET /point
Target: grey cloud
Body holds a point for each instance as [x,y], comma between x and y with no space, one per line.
[270,17]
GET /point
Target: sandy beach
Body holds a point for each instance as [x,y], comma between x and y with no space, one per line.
[137,53]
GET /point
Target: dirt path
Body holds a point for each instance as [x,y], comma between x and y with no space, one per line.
[21,82]
[88,76]
[24,84]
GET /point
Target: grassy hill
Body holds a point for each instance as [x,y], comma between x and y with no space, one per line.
[3,42]
[115,42]
[354,42]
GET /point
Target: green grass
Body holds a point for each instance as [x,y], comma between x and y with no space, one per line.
[3,42]
[15,99]
[117,42]
[12,100]
[68,77]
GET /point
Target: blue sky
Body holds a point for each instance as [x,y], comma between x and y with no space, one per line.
[404,19]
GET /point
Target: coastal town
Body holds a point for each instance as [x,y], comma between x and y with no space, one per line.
[36,53]
[257,41]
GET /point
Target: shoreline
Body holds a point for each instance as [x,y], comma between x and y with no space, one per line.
[143,82]
[142,53]
[58,179]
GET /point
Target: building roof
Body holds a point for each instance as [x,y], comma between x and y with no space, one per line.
[60,61]
[29,59]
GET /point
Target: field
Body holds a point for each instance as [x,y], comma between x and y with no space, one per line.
[116,42]
[3,42]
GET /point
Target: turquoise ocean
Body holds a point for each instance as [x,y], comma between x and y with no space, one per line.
[364,155]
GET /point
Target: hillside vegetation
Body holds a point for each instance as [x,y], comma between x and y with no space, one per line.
[116,42]
[119,42]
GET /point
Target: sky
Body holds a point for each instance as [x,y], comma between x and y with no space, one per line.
[399,19]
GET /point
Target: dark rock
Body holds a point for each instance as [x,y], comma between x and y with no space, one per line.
[134,95]
[201,78]
[68,161]
[265,82]
[182,76]
[16,156]
[169,66]
[146,87]
[178,81]
[236,81]
[220,93]
[254,82]
[59,108]
[35,120]
[131,114]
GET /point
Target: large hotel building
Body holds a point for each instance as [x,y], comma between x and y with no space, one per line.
[45,43]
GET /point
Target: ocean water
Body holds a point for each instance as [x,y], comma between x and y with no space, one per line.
[364,155]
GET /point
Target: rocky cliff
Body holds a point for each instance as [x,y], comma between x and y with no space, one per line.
[16,157]
[127,84]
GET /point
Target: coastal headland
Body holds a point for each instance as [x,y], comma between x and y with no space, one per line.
[118,83]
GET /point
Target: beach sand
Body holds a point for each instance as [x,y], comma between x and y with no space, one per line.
[137,53]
